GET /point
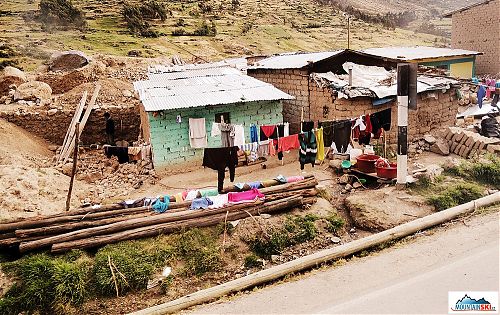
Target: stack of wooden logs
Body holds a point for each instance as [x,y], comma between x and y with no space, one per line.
[468,143]
[96,226]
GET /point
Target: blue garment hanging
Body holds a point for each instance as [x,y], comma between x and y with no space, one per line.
[254,136]
[481,93]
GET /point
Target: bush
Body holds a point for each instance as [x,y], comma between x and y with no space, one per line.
[205,30]
[294,231]
[455,195]
[137,17]
[247,27]
[484,170]
[61,12]
[179,32]
[335,222]
[198,249]
[45,284]
[252,261]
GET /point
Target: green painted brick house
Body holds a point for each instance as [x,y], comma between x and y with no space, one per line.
[173,95]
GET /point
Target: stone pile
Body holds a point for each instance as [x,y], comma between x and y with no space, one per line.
[468,143]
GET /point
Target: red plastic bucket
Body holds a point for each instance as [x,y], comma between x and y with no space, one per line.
[387,172]
[366,162]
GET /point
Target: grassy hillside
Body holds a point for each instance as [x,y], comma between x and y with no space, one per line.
[252,27]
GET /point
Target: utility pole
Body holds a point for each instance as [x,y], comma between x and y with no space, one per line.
[407,98]
[348,32]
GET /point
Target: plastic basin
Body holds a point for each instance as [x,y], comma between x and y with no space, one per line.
[366,162]
[388,172]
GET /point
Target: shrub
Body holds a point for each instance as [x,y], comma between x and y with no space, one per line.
[294,231]
[46,285]
[61,12]
[484,170]
[252,261]
[335,222]
[137,17]
[205,7]
[247,27]
[198,249]
[179,32]
[455,195]
[205,30]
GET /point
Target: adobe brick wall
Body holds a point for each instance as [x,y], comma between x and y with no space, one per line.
[478,28]
[291,81]
[435,110]
[53,127]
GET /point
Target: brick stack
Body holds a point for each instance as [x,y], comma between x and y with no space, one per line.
[467,143]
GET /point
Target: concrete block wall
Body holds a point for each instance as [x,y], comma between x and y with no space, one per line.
[291,81]
[478,28]
[53,127]
[170,140]
[435,110]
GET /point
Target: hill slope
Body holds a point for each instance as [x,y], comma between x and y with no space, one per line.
[252,27]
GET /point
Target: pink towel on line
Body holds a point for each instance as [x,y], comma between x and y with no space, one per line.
[244,196]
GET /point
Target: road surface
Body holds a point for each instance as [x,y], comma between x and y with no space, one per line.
[413,277]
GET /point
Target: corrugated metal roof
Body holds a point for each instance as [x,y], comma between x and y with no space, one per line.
[449,14]
[293,60]
[201,87]
[417,52]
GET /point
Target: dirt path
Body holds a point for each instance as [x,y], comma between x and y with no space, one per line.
[412,277]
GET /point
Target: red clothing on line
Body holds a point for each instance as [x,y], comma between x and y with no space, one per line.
[368,124]
[268,129]
[288,143]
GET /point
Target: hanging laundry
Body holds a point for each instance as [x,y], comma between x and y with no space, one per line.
[286,129]
[481,92]
[239,135]
[384,119]
[281,130]
[251,150]
[267,132]
[342,134]
[220,158]
[227,135]
[368,123]
[307,126]
[245,196]
[288,143]
[254,137]
[308,149]
[218,201]
[161,206]
[197,133]
[215,130]
[263,148]
[320,155]
[272,148]
[201,203]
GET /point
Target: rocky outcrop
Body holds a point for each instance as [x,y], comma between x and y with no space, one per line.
[9,77]
[33,91]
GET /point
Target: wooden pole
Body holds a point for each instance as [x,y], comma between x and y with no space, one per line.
[75,161]
[313,260]
[71,129]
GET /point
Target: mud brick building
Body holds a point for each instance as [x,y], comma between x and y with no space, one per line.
[477,27]
[173,95]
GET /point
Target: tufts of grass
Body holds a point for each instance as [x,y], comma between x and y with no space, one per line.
[199,250]
[295,230]
[335,222]
[483,170]
[455,195]
[252,261]
[51,286]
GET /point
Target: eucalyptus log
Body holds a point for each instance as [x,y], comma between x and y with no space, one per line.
[130,224]
[154,230]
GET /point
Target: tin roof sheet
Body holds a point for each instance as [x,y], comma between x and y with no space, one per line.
[417,52]
[293,60]
[202,87]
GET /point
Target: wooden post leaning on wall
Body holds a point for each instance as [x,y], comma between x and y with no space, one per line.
[75,161]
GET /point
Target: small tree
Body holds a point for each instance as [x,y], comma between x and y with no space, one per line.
[61,12]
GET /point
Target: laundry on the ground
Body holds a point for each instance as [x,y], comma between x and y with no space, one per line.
[245,196]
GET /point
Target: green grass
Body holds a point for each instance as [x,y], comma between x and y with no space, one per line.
[335,222]
[295,230]
[485,170]
[456,195]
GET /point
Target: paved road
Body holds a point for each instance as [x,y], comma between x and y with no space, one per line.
[411,278]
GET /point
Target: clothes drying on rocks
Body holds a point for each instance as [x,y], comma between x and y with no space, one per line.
[218,201]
